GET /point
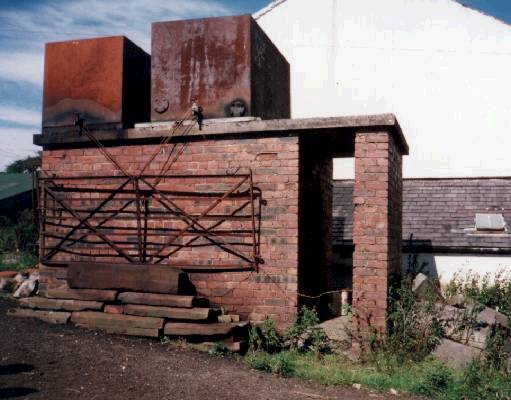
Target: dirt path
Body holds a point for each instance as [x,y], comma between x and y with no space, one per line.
[42,361]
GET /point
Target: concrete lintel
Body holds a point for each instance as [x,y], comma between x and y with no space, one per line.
[218,128]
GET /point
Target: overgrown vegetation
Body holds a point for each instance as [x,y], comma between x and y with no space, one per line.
[414,330]
[491,291]
[401,360]
[18,237]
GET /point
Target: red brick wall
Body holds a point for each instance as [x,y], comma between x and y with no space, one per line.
[275,164]
[376,228]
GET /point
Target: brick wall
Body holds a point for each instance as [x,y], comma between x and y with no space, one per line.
[376,228]
[275,164]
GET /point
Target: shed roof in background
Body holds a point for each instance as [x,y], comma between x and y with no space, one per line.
[440,213]
[14,184]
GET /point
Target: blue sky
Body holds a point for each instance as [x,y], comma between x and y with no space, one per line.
[25,25]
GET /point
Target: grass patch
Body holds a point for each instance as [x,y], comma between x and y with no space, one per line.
[17,262]
[428,378]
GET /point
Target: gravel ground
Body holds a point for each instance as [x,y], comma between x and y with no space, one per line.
[43,361]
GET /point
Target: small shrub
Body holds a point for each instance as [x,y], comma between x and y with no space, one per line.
[414,330]
[280,363]
[304,334]
[436,380]
[265,337]
[218,349]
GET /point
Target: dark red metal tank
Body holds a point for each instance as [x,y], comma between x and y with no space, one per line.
[105,80]
[228,64]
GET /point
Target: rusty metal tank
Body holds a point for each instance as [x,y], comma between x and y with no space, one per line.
[105,80]
[227,64]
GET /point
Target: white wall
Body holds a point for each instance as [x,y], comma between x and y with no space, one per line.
[445,266]
[442,68]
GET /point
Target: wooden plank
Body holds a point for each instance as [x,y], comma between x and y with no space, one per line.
[58,304]
[52,317]
[157,299]
[114,321]
[193,314]
[137,277]
[146,332]
[193,329]
[81,294]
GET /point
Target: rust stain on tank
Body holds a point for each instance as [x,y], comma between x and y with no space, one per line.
[207,59]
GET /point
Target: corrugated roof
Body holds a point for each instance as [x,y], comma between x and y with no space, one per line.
[14,184]
[439,212]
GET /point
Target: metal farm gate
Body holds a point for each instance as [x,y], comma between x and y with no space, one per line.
[191,222]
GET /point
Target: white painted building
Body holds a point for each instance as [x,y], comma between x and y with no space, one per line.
[445,71]
[442,68]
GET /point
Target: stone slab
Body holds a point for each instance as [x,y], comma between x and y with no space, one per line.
[193,314]
[455,355]
[156,299]
[275,126]
[192,329]
[136,277]
[58,304]
[81,294]
[146,332]
[52,317]
[114,321]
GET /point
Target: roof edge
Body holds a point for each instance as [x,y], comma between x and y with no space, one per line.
[265,10]
[450,178]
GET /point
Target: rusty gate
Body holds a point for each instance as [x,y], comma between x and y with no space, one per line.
[192,222]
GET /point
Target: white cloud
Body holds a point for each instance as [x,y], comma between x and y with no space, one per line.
[20,66]
[63,20]
[20,115]
[15,144]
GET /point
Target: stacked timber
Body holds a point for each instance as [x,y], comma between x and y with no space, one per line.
[133,300]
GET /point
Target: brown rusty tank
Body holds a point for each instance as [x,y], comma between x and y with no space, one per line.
[105,80]
[228,64]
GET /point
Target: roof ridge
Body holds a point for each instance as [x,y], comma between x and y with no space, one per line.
[275,3]
[267,9]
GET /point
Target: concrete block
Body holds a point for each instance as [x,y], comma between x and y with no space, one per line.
[455,355]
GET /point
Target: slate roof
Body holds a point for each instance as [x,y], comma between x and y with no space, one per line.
[14,184]
[439,212]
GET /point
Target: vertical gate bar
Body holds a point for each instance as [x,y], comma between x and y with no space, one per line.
[146,213]
[259,217]
[254,248]
[42,223]
[139,217]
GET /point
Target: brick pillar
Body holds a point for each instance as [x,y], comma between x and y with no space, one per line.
[377,199]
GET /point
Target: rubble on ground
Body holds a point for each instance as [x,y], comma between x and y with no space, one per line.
[466,325]
[19,284]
